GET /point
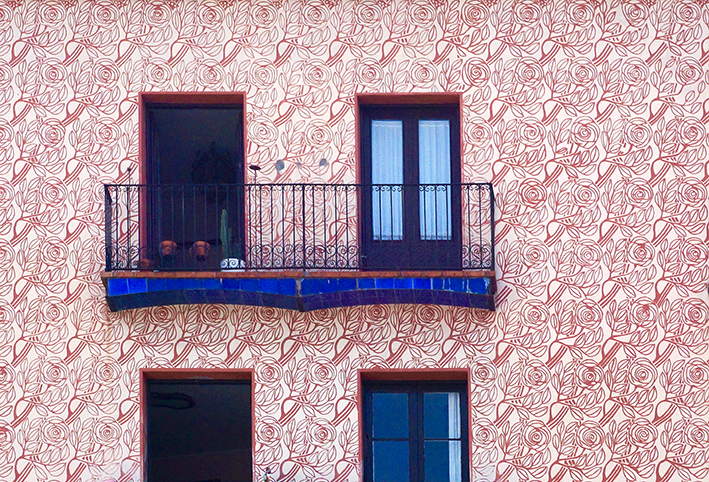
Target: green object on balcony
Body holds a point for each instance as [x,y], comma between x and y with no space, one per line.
[229,248]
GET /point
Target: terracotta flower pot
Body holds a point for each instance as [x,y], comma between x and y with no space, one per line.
[200,250]
[168,248]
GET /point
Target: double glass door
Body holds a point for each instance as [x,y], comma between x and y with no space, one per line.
[411,194]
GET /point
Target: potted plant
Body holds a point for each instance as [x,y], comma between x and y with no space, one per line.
[231,254]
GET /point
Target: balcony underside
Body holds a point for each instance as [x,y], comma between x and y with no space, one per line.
[299,290]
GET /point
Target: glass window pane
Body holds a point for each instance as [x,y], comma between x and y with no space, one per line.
[387,170]
[441,415]
[391,461]
[435,168]
[390,415]
[442,461]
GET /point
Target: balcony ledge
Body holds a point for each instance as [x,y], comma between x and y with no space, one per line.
[300,290]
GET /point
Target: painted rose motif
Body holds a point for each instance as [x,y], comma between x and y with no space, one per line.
[582,72]
[531,132]
[638,132]
[483,373]
[585,132]
[635,12]
[687,13]
[580,12]
[483,434]
[369,73]
[528,72]
[588,375]
[263,74]
[475,14]
[476,72]
[263,14]
[534,314]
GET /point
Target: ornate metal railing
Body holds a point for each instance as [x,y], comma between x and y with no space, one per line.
[291,226]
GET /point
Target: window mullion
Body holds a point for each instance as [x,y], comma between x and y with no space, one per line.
[415,434]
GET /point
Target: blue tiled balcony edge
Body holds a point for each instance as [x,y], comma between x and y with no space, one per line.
[300,293]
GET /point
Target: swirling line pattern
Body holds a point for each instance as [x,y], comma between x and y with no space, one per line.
[588,116]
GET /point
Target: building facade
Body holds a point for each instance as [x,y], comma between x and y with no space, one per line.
[587,117]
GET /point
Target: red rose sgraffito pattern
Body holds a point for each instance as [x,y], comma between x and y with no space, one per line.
[588,116]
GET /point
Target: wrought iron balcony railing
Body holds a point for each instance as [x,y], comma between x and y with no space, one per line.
[299,226]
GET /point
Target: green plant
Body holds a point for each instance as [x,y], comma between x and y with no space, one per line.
[229,248]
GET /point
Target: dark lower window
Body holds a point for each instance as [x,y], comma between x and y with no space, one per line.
[198,430]
[411,163]
[415,432]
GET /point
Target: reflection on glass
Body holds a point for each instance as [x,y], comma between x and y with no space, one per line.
[442,461]
[441,423]
[441,413]
[391,461]
[390,415]
[435,168]
[387,168]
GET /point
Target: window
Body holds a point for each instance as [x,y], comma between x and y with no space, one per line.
[415,432]
[411,173]
[198,430]
[194,169]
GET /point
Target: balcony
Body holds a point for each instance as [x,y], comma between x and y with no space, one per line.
[299,246]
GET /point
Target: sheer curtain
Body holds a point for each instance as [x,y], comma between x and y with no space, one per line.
[387,168]
[454,446]
[435,168]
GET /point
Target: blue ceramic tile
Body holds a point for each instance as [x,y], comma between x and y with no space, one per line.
[231,284]
[387,296]
[211,284]
[437,284]
[250,284]
[457,284]
[369,297]
[175,283]
[288,303]
[478,285]
[405,296]
[384,283]
[195,296]
[192,284]
[139,300]
[268,285]
[117,286]
[483,302]
[424,297]
[347,284]
[403,283]
[286,287]
[312,303]
[350,298]
[460,299]
[329,285]
[309,286]
[158,284]
[422,283]
[251,298]
[330,299]
[441,297]
[214,296]
[365,284]
[137,285]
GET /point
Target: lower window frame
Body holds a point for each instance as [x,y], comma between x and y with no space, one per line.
[416,445]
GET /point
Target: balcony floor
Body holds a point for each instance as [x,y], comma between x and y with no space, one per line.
[299,290]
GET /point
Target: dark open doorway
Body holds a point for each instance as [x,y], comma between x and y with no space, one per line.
[194,167]
[198,431]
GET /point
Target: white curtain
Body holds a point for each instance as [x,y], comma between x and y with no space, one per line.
[387,168]
[454,446]
[435,168]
